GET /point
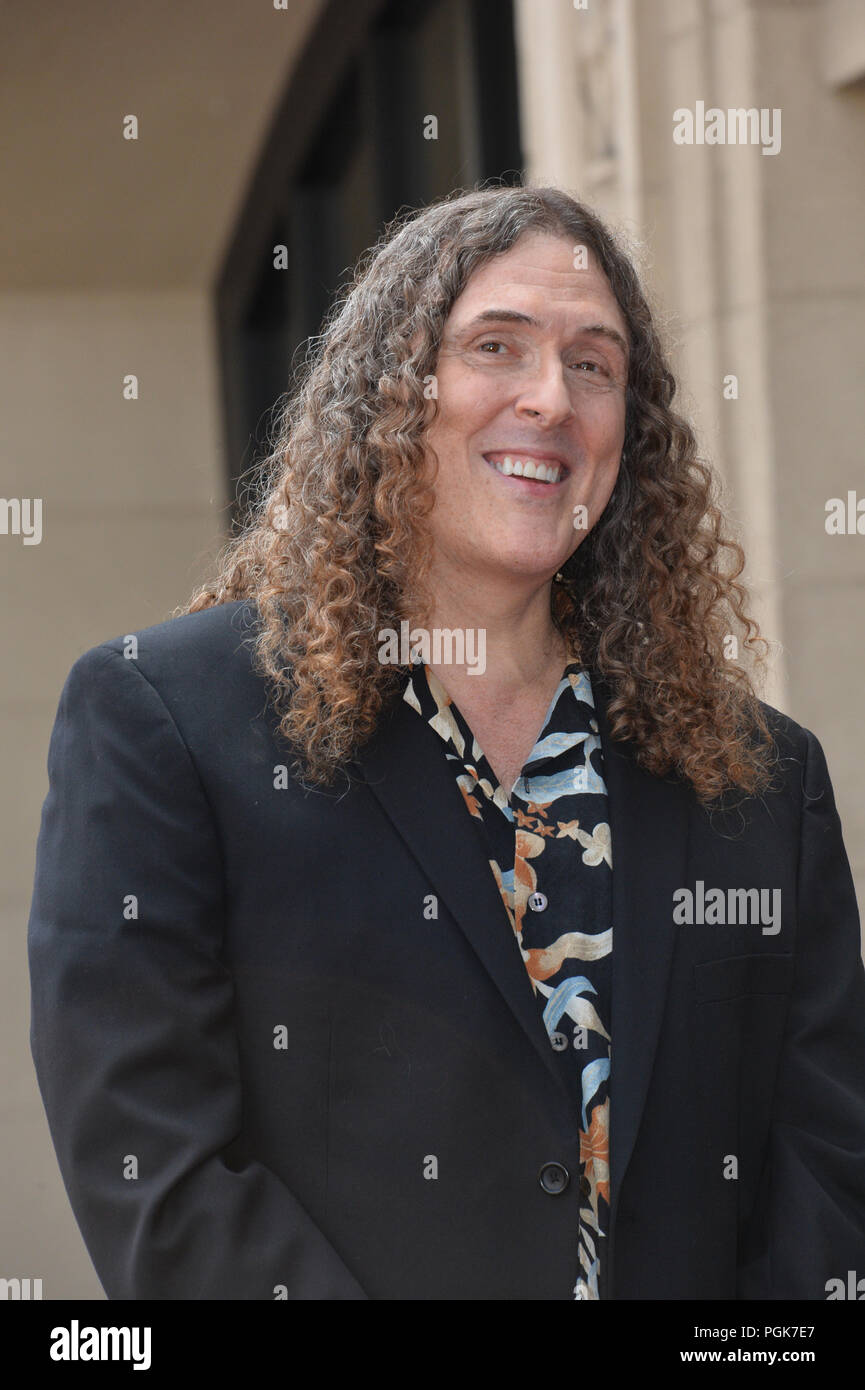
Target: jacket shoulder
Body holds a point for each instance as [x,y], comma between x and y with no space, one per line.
[791,738]
[204,650]
[796,744]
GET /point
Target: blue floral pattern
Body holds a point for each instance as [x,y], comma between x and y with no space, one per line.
[551,837]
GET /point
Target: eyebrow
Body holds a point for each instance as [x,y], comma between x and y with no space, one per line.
[599,330]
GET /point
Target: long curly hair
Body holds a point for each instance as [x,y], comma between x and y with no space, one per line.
[333,547]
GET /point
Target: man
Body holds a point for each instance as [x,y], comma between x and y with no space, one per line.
[432,910]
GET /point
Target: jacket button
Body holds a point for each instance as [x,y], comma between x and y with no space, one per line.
[554,1178]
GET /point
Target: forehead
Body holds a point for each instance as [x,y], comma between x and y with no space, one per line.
[538,275]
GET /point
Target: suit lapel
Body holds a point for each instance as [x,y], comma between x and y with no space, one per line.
[649,819]
[404,766]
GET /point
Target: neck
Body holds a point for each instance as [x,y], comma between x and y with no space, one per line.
[521,642]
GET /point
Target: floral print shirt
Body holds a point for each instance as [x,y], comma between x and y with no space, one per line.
[548,845]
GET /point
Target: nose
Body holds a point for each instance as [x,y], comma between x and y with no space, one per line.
[544,392]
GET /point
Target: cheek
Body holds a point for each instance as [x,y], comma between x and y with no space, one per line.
[608,475]
[603,490]
[607,421]
[465,402]
[605,439]
[603,477]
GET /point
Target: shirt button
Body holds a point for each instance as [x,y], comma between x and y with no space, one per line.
[554,1178]
[537,902]
[585,1186]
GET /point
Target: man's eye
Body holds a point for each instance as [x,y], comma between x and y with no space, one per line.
[493,343]
[597,368]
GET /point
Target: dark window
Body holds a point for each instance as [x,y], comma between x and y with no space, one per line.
[345,153]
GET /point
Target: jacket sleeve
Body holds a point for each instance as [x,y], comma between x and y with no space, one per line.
[132,1016]
[810,1226]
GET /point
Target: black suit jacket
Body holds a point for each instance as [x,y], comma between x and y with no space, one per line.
[252,1038]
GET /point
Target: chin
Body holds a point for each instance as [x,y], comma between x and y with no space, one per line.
[531,567]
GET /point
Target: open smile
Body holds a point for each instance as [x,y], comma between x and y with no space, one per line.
[535,474]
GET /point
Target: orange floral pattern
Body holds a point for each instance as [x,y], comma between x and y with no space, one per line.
[549,849]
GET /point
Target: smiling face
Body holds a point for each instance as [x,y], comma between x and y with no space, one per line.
[531,374]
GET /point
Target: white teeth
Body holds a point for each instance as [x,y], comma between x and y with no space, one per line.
[527,468]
